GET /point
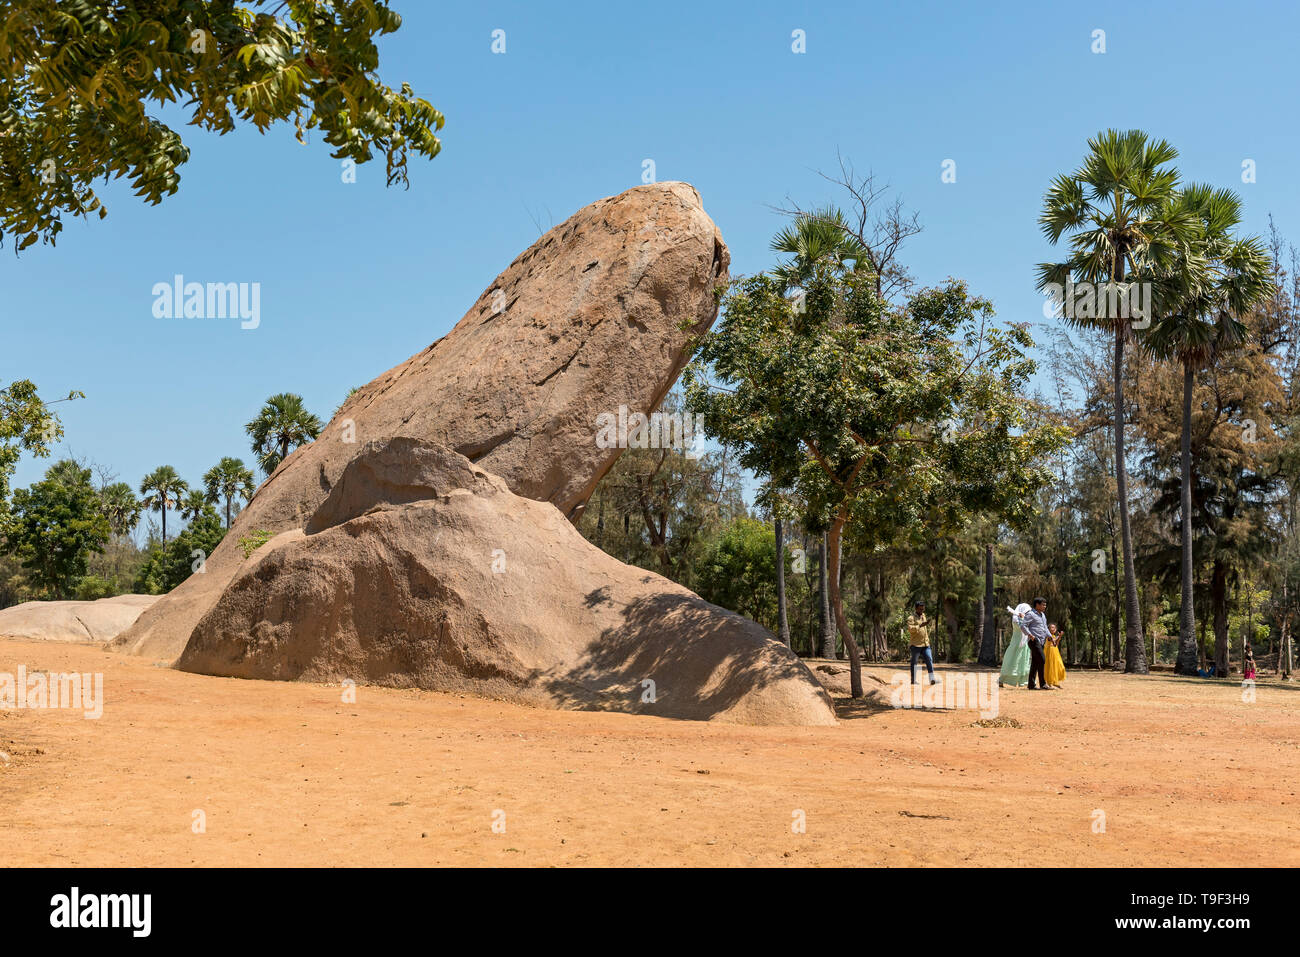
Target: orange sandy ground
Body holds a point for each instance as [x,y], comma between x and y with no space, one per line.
[1186,773]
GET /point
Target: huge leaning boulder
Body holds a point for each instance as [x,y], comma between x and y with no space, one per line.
[422,570]
[593,316]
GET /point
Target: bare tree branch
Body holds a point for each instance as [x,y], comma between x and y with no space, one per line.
[881,226]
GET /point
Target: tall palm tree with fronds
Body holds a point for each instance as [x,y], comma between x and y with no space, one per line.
[1114,210]
[120,507]
[1219,278]
[283,424]
[163,488]
[227,480]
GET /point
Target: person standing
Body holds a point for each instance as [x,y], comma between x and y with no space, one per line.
[1015,660]
[1035,626]
[918,636]
[1054,668]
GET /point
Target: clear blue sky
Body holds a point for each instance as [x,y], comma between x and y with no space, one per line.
[356,277]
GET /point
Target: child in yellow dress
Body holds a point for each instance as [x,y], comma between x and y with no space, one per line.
[1054,667]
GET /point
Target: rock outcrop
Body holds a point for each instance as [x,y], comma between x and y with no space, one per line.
[596,314]
[421,569]
[98,621]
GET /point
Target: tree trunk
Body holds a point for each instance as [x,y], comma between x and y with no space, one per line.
[1285,664]
[838,569]
[855,660]
[865,618]
[950,618]
[878,644]
[824,612]
[1114,624]
[1219,609]
[1203,646]
[936,574]
[810,597]
[1135,653]
[947,608]
[988,647]
[879,641]
[164,521]
[1284,640]
[1247,636]
[783,621]
[1186,663]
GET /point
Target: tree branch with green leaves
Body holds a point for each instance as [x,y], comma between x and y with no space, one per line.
[78,79]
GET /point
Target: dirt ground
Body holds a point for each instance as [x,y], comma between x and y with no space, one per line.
[1184,772]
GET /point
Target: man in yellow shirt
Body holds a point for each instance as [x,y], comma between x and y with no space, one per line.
[918,631]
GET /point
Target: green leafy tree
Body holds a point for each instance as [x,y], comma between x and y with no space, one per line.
[738,571]
[170,563]
[875,417]
[1283,335]
[26,425]
[78,81]
[815,236]
[1235,483]
[56,525]
[120,507]
[282,425]
[227,481]
[1217,279]
[163,488]
[1112,211]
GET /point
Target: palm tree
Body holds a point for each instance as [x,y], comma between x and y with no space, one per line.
[283,424]
[1218,279]
[1113,209]
[163,487]
[194,504]
[814,236]
[68,472]
[120,507]
[229,479]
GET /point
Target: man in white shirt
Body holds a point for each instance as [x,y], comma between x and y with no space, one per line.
[1035,626]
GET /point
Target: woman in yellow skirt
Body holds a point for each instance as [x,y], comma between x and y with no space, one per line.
[1054,667]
